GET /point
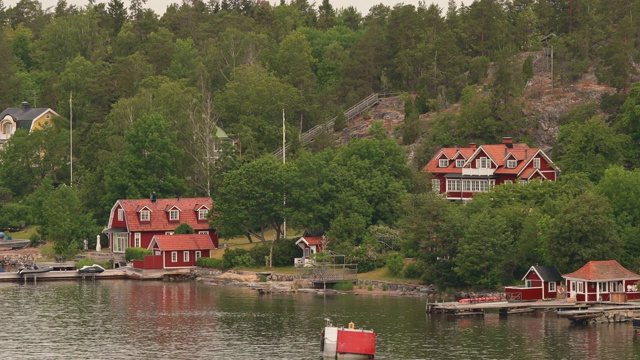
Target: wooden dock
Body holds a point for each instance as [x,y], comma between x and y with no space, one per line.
[503,307]
[109,274]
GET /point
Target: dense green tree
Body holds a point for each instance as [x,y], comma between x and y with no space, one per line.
[583,231]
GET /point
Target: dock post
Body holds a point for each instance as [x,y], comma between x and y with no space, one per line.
[35,279]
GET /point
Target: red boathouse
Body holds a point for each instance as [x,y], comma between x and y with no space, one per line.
[604,280]
[540,283]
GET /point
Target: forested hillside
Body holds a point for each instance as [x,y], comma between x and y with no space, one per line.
[143,95]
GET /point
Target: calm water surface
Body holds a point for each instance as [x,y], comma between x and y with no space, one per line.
[142,320]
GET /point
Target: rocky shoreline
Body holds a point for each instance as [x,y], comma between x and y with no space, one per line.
[287,283]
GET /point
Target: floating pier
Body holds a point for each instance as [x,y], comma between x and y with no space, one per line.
[504,308]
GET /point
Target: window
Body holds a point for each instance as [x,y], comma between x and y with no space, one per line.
[529,283]
[120,214]
[511,164]
[435,185]
[453,185]
[522,181]
[508,182]
[174,256]
[536,163]
[137,239]
[476,185]
[174,215]
[205,232]
[580,287]
[120,242]
[573,286]
[460,163]
[145,215]
[48,116]
[602,287]
[198,254]
[483,163]
[185,256]
[7,128]
[168,232]
[443,163]
[202,214]
[552,287]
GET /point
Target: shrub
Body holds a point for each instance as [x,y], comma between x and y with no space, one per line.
[343,285]
[366,257]
[210,263]
[385,287]
[395,263]
[184,228]
[284,252]
[413,270]
[370,287]
[263,278]
[237,257]
[136,253]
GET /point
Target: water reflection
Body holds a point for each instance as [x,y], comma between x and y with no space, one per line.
[132,319]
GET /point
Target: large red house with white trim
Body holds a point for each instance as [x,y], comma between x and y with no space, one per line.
[540,283]
[604,280]
[133,223]
[181,251]
[461,172]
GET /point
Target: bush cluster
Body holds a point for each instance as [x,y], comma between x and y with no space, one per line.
[210,263]
[284,252]
[136,253]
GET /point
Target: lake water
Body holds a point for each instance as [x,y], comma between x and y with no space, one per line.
[118,319]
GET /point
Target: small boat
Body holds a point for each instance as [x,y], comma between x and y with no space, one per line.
[91,269]
[347,343]
[34,270]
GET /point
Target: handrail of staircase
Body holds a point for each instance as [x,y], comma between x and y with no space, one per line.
[350,114]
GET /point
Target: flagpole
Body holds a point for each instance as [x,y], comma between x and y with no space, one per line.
[71,136]
[284,160]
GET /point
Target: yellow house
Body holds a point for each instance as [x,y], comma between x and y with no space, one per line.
[24,117]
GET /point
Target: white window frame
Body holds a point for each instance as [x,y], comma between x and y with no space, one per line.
[48,116]
[198,254]
[580,287]
[573,286]
[174,215]
[508,182]
[120,241]
[460,163]
[435,185]
[120,214]
[145,215]
[137,239]
[552,286]
[443,163]
[202,214]
[536,163]
[522,181]
[483,163]
[454,185]
[529,283]
[204,232]
[174,256]
[185,256]
[512,164]
[602,287]
[168,232]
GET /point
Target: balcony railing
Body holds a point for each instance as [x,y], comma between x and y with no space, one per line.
[478,172]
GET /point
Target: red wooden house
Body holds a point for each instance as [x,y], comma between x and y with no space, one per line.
[177,251]
[540,283]
[605,280]
[309,245]
[461,172]
[133,223]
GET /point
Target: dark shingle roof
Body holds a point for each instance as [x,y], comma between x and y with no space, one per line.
[548,273]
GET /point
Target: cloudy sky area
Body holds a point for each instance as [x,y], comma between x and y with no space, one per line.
[159,6]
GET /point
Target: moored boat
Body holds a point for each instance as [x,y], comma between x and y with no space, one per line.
[347,343]
[91,269]
[34,270]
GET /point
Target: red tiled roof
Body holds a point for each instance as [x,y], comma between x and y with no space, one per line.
[159,221]
[183,242]
[602,270]
[312,240]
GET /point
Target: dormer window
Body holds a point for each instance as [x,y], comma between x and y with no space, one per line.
[460,163]
[202,214]
[511,164]
[174,215]
[145,215]
[443,163]
[120,214]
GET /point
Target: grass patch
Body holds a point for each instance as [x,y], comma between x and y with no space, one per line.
[343,286]
[89,261]
[383,274]
[25,233]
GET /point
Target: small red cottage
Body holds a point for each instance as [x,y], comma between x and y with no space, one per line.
[178,251]
[133,223]
[309,245]
[540,283]
[605,280]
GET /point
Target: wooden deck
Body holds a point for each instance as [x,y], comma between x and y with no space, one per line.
[503,307]
[109,274]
